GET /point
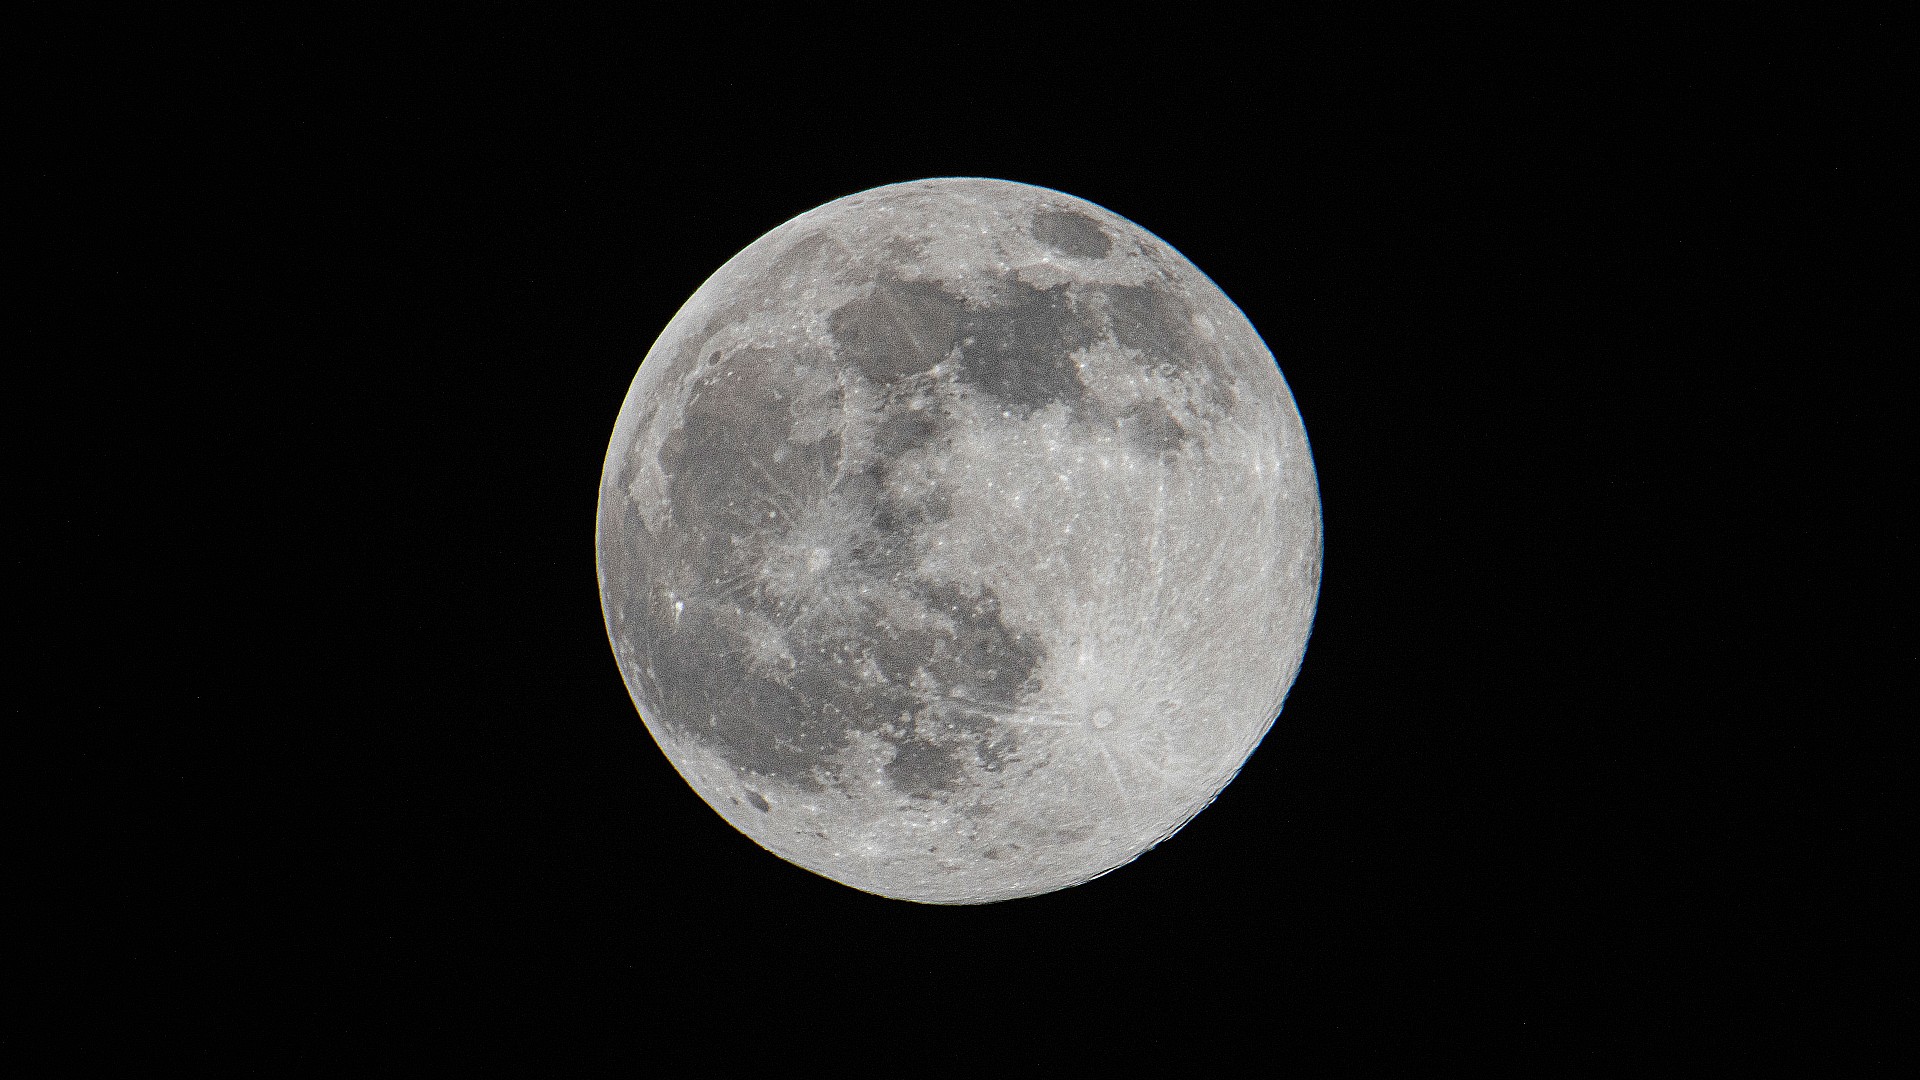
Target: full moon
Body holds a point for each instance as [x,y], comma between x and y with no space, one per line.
[958,541]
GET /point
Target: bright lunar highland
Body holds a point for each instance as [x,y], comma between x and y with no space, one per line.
[958,540]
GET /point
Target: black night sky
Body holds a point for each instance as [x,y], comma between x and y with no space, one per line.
[1587,321]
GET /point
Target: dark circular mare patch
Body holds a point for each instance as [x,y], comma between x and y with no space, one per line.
[1071,234]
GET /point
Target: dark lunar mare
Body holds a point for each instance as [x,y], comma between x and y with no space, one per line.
[1018,348]
[1071,234]
[903,327]
[737,488]
[1156,321]
[1021,349]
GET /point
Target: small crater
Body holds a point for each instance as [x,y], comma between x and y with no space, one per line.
[758,802]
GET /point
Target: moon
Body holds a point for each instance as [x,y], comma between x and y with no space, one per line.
[958,541]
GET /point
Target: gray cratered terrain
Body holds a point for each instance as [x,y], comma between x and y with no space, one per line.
[959,540]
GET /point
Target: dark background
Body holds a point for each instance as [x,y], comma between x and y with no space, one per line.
[1589,322]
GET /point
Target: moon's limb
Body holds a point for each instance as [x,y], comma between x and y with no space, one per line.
[959,540]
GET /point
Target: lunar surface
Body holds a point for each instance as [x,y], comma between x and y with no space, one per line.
[958,541]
